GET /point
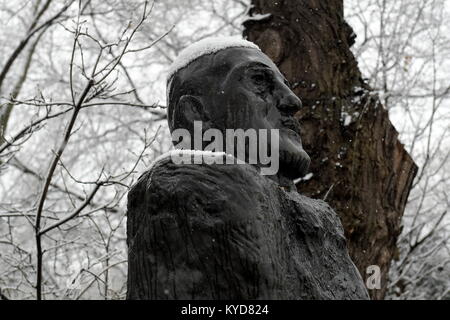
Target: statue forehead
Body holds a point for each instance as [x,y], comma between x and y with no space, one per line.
[221,63]
[239,57]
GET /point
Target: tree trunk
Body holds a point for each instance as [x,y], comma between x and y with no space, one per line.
[358,164]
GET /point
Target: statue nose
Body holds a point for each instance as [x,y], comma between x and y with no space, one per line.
[289,103]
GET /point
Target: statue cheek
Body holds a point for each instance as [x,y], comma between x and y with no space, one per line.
[272,114]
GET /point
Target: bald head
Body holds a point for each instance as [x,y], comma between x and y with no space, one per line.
[206,79]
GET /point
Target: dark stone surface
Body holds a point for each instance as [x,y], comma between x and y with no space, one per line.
[226,232]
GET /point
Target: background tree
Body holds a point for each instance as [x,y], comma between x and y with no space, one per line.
[358,164]
[402,46]
[68,195]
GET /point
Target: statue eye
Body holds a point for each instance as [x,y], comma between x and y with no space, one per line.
[261,78]
[258,78]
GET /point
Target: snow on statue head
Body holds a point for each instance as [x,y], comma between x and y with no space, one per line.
[206,46]
[229,83]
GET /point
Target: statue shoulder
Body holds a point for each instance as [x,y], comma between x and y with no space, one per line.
[328,218]
[316,206]
[168,182]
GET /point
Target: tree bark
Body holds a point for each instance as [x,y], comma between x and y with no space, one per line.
[358,164]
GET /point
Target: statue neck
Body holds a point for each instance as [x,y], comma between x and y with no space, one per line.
[283,181]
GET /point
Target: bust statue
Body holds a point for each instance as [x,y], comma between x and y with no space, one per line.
[222,230]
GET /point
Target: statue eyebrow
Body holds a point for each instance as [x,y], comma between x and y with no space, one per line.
[254,64]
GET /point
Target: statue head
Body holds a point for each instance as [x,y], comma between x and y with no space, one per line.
[228,83]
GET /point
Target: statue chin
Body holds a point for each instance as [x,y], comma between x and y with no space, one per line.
[294,164]
[294,161]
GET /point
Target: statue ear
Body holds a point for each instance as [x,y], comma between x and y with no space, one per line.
[190,109]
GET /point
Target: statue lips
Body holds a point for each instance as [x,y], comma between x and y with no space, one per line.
[291,124]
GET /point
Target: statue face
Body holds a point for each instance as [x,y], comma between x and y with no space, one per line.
[254,94]
[241,88]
